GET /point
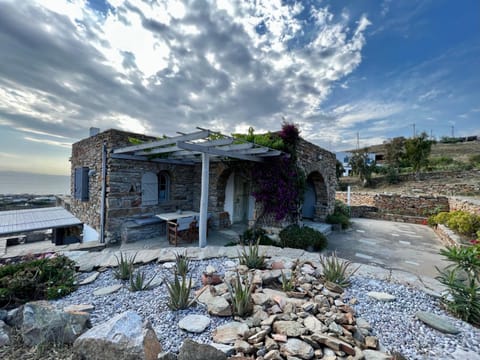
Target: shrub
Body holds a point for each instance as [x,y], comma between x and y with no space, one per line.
[288,284]
[252,235]
[241,295]
[297,237]
[460,221]
[36,280]
[125,267]
[341,215]
[179,292]
[336,270]
[462,279]
[251,258]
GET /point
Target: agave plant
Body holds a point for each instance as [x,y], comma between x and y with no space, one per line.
[336,270]
[182,264]
[125,266]
[179,292]
[138,282]
[251,258]
[288,284]
[241,295]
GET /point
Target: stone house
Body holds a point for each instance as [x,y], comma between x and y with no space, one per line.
[117,186]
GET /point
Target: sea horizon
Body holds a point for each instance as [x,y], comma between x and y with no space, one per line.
[17,182]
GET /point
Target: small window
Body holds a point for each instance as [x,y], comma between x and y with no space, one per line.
[80,191]
[163,187]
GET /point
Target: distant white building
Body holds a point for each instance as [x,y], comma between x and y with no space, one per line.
[345,156]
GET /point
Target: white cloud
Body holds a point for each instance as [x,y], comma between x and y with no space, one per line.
[48,142]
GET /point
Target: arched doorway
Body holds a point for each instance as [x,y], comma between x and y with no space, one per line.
[309,200]
[315,202]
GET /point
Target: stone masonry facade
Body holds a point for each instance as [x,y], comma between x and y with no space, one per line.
[124,208]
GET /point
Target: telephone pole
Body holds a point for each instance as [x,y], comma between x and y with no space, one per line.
[414,133]
[453,131]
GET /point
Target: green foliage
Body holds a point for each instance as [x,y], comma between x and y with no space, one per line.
[417,151]
[241,295]
[125,266]
[273,141]
[341,215]
[336,270]
[462,279]
[36,280]
[179,292]
[362,166]
[288,284]
[254,234]
[394,153]
[474,160]
[138,282]
[462,222]
[182,264]
[294,236]
[251,258]
[339,170]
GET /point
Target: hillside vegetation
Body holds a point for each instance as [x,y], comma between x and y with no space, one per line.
[451,171]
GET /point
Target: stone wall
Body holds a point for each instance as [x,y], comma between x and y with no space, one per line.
[466,204]
[124,185]
[420,206]
[319,165]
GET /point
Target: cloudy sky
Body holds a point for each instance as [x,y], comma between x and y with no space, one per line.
[160,66]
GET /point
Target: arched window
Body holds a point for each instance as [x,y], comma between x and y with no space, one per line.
[163,187]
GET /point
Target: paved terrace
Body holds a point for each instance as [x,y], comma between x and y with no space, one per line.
[91,255]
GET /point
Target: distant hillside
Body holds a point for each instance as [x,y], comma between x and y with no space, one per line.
[459,151]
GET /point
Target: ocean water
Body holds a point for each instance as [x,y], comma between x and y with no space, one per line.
[27,183]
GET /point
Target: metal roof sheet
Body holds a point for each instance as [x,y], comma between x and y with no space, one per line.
[16,221]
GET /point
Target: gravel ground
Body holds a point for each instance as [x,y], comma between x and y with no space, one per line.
[394,322]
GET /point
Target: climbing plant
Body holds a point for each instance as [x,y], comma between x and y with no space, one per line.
[279,183]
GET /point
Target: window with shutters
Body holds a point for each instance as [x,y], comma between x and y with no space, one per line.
[149,189]
[80,186]
[163,187]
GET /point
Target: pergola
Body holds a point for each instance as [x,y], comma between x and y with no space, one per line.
[192,148]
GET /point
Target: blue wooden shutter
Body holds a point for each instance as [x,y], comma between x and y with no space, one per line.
[81,184]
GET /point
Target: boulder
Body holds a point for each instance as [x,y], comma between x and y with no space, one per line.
[123,337]
[194,323]
[43,323]
[228,333]
[298,348]
[437,322]
[375,355]
[289,328]
[216,305]
[191,350]
[314,325]
[381,296]
[4,334]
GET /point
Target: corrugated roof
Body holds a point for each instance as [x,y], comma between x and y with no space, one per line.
[16,221]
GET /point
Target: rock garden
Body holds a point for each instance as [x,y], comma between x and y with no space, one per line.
[241,306]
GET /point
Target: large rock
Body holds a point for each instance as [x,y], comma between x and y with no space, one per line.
[216,305]
[228,333]
[437,322]
[297,348]
[123,337]
[191,350]
[194,323]
[289,328]
[44,323]
[314,325]
[381,296]
[375,355]
[4,334]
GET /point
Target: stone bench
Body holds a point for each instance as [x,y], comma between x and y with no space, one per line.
[141,228]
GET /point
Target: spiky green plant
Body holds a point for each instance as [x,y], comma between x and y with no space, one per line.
[179,292]
[251,258]
[125,266]
[241,295]
[336,270]
[462,279]
[182,264]
[288,284]
[138,282]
